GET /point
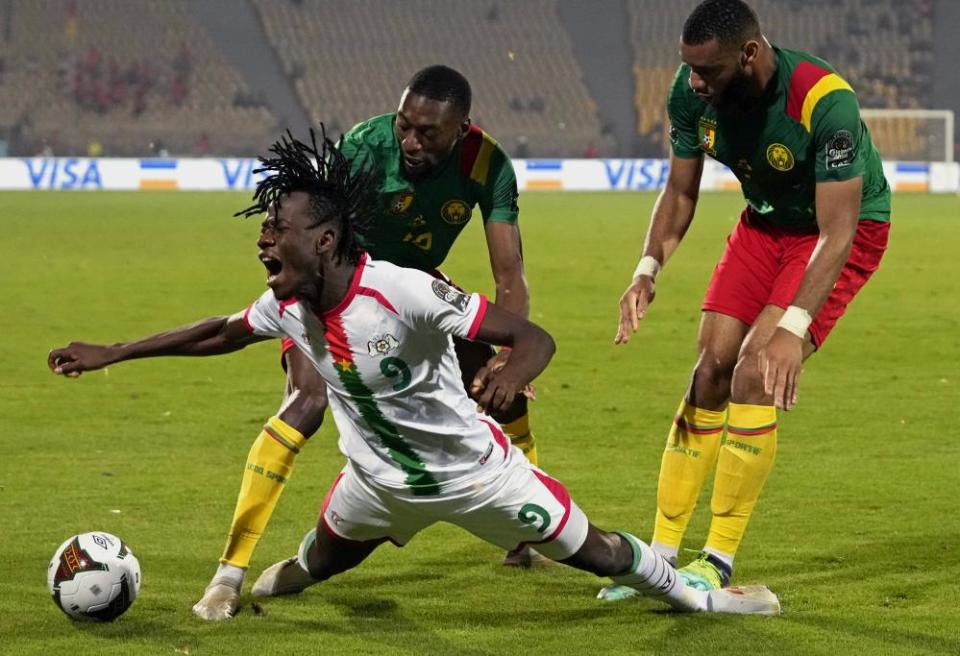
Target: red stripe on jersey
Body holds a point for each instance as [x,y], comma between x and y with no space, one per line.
[381,299]
[560,494]
[477,320]
[354,285]
[337,340]
[469,150]
[287,303]
[246,318]
[804,77]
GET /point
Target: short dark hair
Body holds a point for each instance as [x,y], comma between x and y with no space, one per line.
[338,191]
[439,82]
[729,21]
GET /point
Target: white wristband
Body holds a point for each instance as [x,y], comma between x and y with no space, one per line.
[648,266]
[796,320]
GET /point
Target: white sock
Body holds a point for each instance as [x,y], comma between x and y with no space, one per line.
[665,550]
[653,576]
[229,575]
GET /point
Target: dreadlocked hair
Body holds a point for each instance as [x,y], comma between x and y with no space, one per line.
[337,193]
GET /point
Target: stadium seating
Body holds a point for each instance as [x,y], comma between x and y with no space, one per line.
[350,59]
[884,48]
[124,74]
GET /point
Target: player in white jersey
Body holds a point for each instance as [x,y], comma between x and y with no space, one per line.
[389,340]
[417,449]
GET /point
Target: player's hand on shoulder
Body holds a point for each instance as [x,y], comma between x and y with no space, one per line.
[633,306]
[77,357]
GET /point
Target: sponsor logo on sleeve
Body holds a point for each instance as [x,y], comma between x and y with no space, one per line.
[840,150]
[674,135]
[447,293]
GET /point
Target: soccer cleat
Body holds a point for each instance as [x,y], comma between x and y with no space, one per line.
[706,572]
[615,592]
[219,602]
[283,578]
[525,557]
[743,600]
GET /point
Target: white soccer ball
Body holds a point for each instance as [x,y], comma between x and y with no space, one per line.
[94,576]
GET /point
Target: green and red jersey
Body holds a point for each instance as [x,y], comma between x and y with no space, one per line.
[419,220]
[805,129]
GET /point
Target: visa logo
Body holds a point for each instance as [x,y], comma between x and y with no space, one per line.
[63,173]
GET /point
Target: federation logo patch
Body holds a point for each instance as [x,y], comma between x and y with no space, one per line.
[382,345]
[707,135]
[454,297]
[401,203]
[455,212]
[780,157]
[840,150]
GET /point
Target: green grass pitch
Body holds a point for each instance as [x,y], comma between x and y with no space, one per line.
[857,529]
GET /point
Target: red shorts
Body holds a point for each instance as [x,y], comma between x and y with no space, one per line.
[763,264]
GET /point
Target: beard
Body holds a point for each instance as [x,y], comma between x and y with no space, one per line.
[738,94]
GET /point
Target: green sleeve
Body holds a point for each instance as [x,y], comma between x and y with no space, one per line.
[354,147]
[498,203]
[838,137]
[684,139]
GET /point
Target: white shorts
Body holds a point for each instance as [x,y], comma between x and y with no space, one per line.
[521,505]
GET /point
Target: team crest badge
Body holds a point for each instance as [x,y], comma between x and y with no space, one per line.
[382,345]
[707,133]
[455,212]
[401,203]
[780,157]
[451,295]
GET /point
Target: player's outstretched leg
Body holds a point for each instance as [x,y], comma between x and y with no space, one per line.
[321,555]
[268,467]
[631,562]
[516,426]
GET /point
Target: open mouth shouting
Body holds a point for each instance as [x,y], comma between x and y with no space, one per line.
[273,266]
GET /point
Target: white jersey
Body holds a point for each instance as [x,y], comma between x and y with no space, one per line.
[393,378]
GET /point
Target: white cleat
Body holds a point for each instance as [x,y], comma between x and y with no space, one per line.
[283,578]
[743,600]
[220,602]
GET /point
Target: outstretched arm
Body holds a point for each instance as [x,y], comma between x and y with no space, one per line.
[672,215]
[532,348]
[211,336]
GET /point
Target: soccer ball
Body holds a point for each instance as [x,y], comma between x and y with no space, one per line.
[94,576]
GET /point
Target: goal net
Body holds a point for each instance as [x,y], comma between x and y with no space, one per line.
[919,135]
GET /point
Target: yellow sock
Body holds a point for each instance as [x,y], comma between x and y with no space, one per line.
[746,457]
[691,450]
[269,464]
[520,436]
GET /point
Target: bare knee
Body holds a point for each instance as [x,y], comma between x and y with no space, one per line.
[747,384]
[710,383]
